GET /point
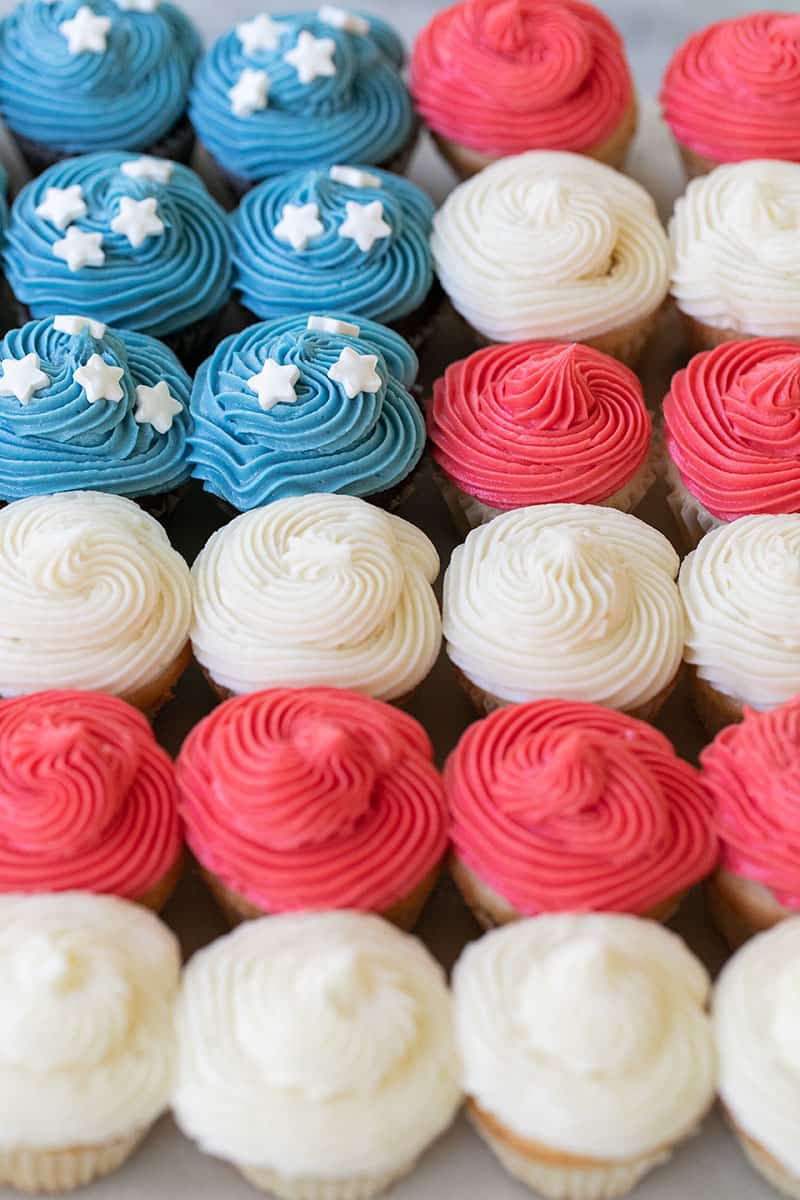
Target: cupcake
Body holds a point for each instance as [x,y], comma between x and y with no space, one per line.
[732,434]
[91,408]
[497,77]
[313,798]
[563,807]
[87,1052]
[735,236]
[89,800]
[731,91]
[741,590]
[93,597]
[80,77]
[316,1053]
[755,1029]
[274,95]
[339,238]
[554,246]
[751,771]
[587,1055]
[317,591]
[571,601]
[307,404]
[133,242]
[538,423]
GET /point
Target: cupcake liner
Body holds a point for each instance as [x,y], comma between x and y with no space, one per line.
[222,693]
[416,328]
[714,708]
[197,341]
[360,1187]
[741,907]
[693,519]
[695,164]
[707,337]
[159,892]
[30,1170]
[766,1164]
[151,697]
[177,144]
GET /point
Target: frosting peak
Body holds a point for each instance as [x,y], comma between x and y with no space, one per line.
[550,391]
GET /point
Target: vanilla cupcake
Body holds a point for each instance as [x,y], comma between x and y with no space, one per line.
[741,590]
[554,246]
[87,1052]
[572,601]
[93,597]
[316,1053]
[735,235]
[587,1054]
[317,590]
[755,1022]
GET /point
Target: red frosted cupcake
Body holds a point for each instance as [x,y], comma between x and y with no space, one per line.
[498,77]
[558,806]
[732,92]
[732,434]
[313,798]
[87,799]
[539,423]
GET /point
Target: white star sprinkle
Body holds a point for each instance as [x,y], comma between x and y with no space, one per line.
[274,384]
[79,249]
[312,57]
[299,223]
[22,377]
[99,380]
[86,31]
[145,6]
[70,323]
[156,406]
[138,220]
[62,206]
[159,170]
[364,223]
[331,325]
[355,372]
[352,177]
[340,18]
[249,93]
[262,33]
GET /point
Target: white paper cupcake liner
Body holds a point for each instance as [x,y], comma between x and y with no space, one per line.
[361,1187]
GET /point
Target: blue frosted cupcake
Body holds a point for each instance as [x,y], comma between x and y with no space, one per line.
[87,75]
[307,404]
[134,242]
[83,407]
[300,89]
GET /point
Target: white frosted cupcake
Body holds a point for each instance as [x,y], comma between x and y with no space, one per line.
[736,240]
[567,601]
[87,1051]
[556,246]
[318,590]
[741,589]
[587,1054]
[756,1024]
[316,1053]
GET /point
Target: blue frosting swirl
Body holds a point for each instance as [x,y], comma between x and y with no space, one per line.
[362,113]
[168,282]
[58,441]
[128,96]
[386,282]
[323,442]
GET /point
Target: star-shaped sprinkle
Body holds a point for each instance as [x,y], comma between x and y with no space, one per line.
[99,380]
[249,93]
[79,249]
[311,57]
[364,223]
[299,223]
[71,323]
[22,377]
[355,372]
[138,219]
[331,325]
[62,206]
[262,33]
[340,18]
[156,406]
[86,31]
[354,178]
[158,170]
[145,6]
[274,384]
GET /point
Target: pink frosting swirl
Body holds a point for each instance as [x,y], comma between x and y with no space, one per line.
[312,798]
[504,76]
[563,806]
[732,91]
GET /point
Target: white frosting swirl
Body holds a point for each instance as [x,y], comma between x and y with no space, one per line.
[317,590]
[550,245]
[87,992]
[756,1020]
[316,1044]
[92,595]
[586,1033]
[736,238]
[741,589]
[573,601]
